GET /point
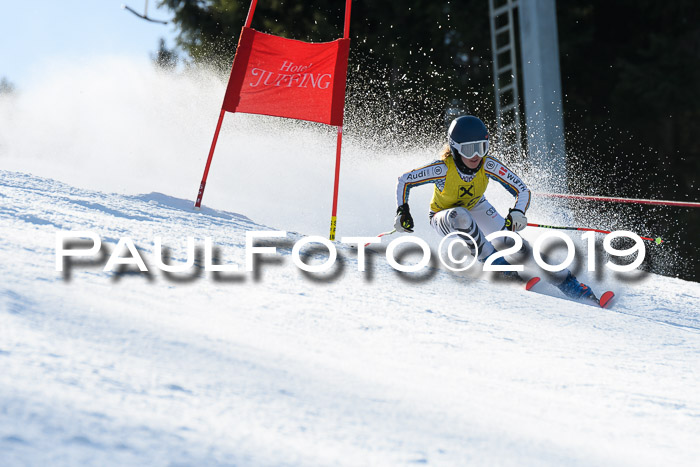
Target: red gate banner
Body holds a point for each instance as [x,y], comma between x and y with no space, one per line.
[282,77]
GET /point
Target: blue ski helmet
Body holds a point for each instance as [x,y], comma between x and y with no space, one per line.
[468,137]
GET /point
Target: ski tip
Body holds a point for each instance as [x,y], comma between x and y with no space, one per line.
[531,283]
[606,299]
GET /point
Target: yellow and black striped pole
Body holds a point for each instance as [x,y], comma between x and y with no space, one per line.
[334,212]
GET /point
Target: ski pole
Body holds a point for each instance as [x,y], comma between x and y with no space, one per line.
[382,234]
[656,240]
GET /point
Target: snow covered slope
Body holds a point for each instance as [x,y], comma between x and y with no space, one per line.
[281,367]
[350,368]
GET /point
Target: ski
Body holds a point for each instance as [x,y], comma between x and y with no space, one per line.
[604,301]
[531,283]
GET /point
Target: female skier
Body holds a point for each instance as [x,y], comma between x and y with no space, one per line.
[460,177]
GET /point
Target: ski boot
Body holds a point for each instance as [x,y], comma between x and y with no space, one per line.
[576,290]
[508,275]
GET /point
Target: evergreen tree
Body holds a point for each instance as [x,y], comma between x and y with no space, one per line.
[630,76]
[6,87]
[409,61]
[165,58]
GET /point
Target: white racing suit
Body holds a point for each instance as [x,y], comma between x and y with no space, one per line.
[459,205]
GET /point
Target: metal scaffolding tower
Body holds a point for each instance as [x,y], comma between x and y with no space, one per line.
[541,84]
[505,75]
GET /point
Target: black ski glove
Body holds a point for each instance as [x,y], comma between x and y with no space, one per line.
[404,221]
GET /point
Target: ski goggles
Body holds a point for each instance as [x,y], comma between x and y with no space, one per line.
[472,149]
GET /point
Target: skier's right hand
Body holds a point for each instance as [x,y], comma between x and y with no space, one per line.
[516,220]
[404,221]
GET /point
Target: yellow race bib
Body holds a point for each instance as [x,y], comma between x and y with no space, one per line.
[460,190]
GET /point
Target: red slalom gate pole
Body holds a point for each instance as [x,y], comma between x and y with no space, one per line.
[334,211]
[251,12]
[202,185]
[346,29]
[198,203]
[656,202]
[656,240]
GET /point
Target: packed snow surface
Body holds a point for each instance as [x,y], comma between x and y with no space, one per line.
[358,368]
[278,366]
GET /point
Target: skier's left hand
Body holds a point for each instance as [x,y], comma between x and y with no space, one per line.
[516,220]
[404,220]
